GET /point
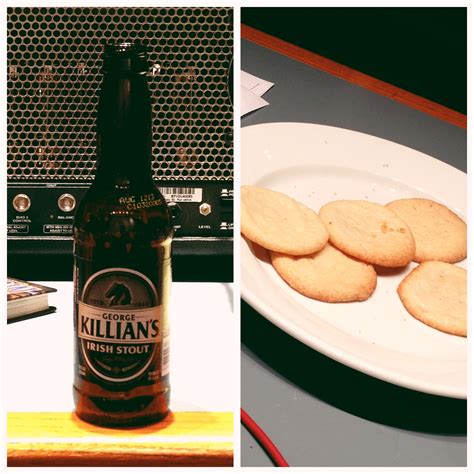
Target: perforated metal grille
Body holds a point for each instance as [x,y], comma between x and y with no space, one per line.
[54,58]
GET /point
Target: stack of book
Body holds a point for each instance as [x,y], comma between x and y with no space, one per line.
[27,300]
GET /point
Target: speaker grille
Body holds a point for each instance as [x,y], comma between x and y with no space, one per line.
[54,58]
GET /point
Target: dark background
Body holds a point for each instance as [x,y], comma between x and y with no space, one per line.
[421,50]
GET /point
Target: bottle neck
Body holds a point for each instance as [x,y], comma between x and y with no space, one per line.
[124,137]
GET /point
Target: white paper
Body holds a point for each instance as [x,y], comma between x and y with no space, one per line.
[255,84]
[251,90]
[250,101]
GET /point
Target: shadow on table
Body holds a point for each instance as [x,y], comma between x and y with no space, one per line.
[138,430]
[348,389]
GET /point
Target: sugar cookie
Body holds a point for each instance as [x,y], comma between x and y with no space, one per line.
[277,222]
[436,294]
[327,275]
[369,231]
[439,233]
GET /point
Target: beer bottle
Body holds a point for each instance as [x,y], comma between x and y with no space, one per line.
[122,269]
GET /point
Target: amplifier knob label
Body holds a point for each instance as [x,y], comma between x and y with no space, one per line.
[57,229]
[226,226]
[227,194]
[18,228]
[21,219]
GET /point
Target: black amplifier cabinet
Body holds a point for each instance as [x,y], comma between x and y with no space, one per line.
[54,57]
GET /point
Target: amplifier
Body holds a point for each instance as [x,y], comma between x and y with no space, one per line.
[54,58]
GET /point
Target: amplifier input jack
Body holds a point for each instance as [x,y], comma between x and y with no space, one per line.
[175,211]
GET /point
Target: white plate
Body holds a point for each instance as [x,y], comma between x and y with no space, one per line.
[316,164]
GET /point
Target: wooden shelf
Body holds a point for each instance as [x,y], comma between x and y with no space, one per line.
[62,439]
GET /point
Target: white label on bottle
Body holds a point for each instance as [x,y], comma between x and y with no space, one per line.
[119,324]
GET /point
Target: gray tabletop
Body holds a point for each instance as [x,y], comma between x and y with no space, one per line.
[317,411]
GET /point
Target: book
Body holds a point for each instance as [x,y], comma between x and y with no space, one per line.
[27,300]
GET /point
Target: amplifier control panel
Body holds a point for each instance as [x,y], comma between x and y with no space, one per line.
[46,211]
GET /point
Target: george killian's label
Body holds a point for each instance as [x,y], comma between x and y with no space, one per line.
[119,326]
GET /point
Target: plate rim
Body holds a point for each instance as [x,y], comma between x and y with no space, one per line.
[314,341]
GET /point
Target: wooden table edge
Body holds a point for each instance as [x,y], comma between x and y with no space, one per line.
[355,77]
[61,439]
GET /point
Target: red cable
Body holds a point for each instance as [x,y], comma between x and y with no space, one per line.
[265,442]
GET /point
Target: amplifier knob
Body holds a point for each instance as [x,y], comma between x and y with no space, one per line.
[66,202]
[21,202]
[205,209]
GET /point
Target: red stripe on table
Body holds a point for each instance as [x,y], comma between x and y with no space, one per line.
[363,80]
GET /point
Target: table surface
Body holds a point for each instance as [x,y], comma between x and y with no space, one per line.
[40,356]
[317,411]
[204,389]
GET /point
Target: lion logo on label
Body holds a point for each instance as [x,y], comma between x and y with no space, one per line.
[119,294]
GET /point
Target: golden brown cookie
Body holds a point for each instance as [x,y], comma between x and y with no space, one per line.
[436,294]
[327,275]
[439,233]
[369,231]
[277,222]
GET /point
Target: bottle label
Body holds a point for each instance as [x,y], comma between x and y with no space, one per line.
[119,324]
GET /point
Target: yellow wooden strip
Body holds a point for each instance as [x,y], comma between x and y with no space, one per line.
[62,439]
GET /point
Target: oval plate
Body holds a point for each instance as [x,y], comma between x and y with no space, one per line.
[316,164]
